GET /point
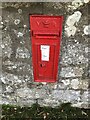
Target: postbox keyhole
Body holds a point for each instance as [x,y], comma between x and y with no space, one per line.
[40,65]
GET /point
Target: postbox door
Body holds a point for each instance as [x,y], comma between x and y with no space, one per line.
[45,61]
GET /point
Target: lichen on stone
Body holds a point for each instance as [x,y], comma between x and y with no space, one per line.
[70,23]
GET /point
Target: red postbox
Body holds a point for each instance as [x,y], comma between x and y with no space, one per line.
[46,34]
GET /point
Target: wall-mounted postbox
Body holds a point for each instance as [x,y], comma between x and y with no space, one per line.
[46,34]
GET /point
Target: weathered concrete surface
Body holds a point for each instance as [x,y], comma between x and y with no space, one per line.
[72,86]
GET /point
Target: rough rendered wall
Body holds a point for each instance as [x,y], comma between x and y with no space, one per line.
[72,86]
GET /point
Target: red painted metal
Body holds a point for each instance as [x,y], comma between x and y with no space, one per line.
[46,34]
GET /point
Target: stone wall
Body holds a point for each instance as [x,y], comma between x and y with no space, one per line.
[72,86]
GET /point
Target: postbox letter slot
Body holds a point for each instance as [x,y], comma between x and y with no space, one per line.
[37,36]
[46,34]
